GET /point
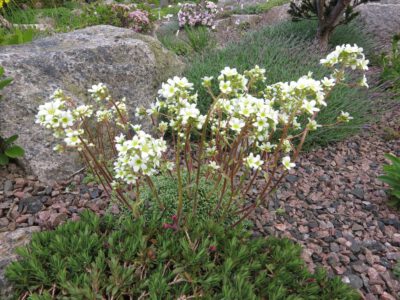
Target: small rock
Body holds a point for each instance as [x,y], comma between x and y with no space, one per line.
[22,219]
[374,277]
[359,267]
[355,247]
[334,247]
[290,178]
[393,255]
[357,227]
[393,285]
[8,186]
[4,222]
[387,296]
[359,193]
[355,281]
[44,215]
[55,193]
[20,183]
[332,259]
[377,289]
[30,205]
[280,227]
[57,218]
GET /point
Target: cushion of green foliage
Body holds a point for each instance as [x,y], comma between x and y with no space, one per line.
[286,52]
[167,189]
[119,257]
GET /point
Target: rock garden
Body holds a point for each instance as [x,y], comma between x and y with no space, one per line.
[230,149]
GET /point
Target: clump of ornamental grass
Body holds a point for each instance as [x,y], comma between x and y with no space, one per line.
[251,131]
[127,258]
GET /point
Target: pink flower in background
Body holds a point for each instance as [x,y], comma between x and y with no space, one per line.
[139,20]
[198,14]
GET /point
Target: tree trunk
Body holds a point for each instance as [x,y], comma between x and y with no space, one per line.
[322,38]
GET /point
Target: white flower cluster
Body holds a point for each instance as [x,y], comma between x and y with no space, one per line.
[232,83]
[179,104]
[347,56]
[64,117]
[246,123]
[60,118]
[140,156]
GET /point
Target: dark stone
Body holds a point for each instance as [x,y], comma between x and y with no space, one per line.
[357,227]
[292,178]
[385,262]
[381,225]
[47,191]
[30,205]
[329,239]
[324,178]
[300,195]
[353,257]
[316,257]
[94,193]
[359,193]
[313,224]
[72,209]
[355,247]
[392,222]
[8,186]
[334,247]
[355,281]
[83,189]
[374,246]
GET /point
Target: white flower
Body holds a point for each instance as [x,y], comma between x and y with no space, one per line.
[189,112]
[236,124]
[163,126]
[344,117]
[229,72]
[138,163]
[83,111]
[253,162]
[119,139]
[287,164]
[309,106]
[286,146]
[363,82]
[73,137]
[207,81]
[167,91]
[312,125]
[66,119]
[328,82]
[225,87]
[213,165]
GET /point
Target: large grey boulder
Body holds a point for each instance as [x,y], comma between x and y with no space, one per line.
[130,64]
[381,20]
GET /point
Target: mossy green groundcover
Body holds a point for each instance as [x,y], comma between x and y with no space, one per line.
[123,258]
